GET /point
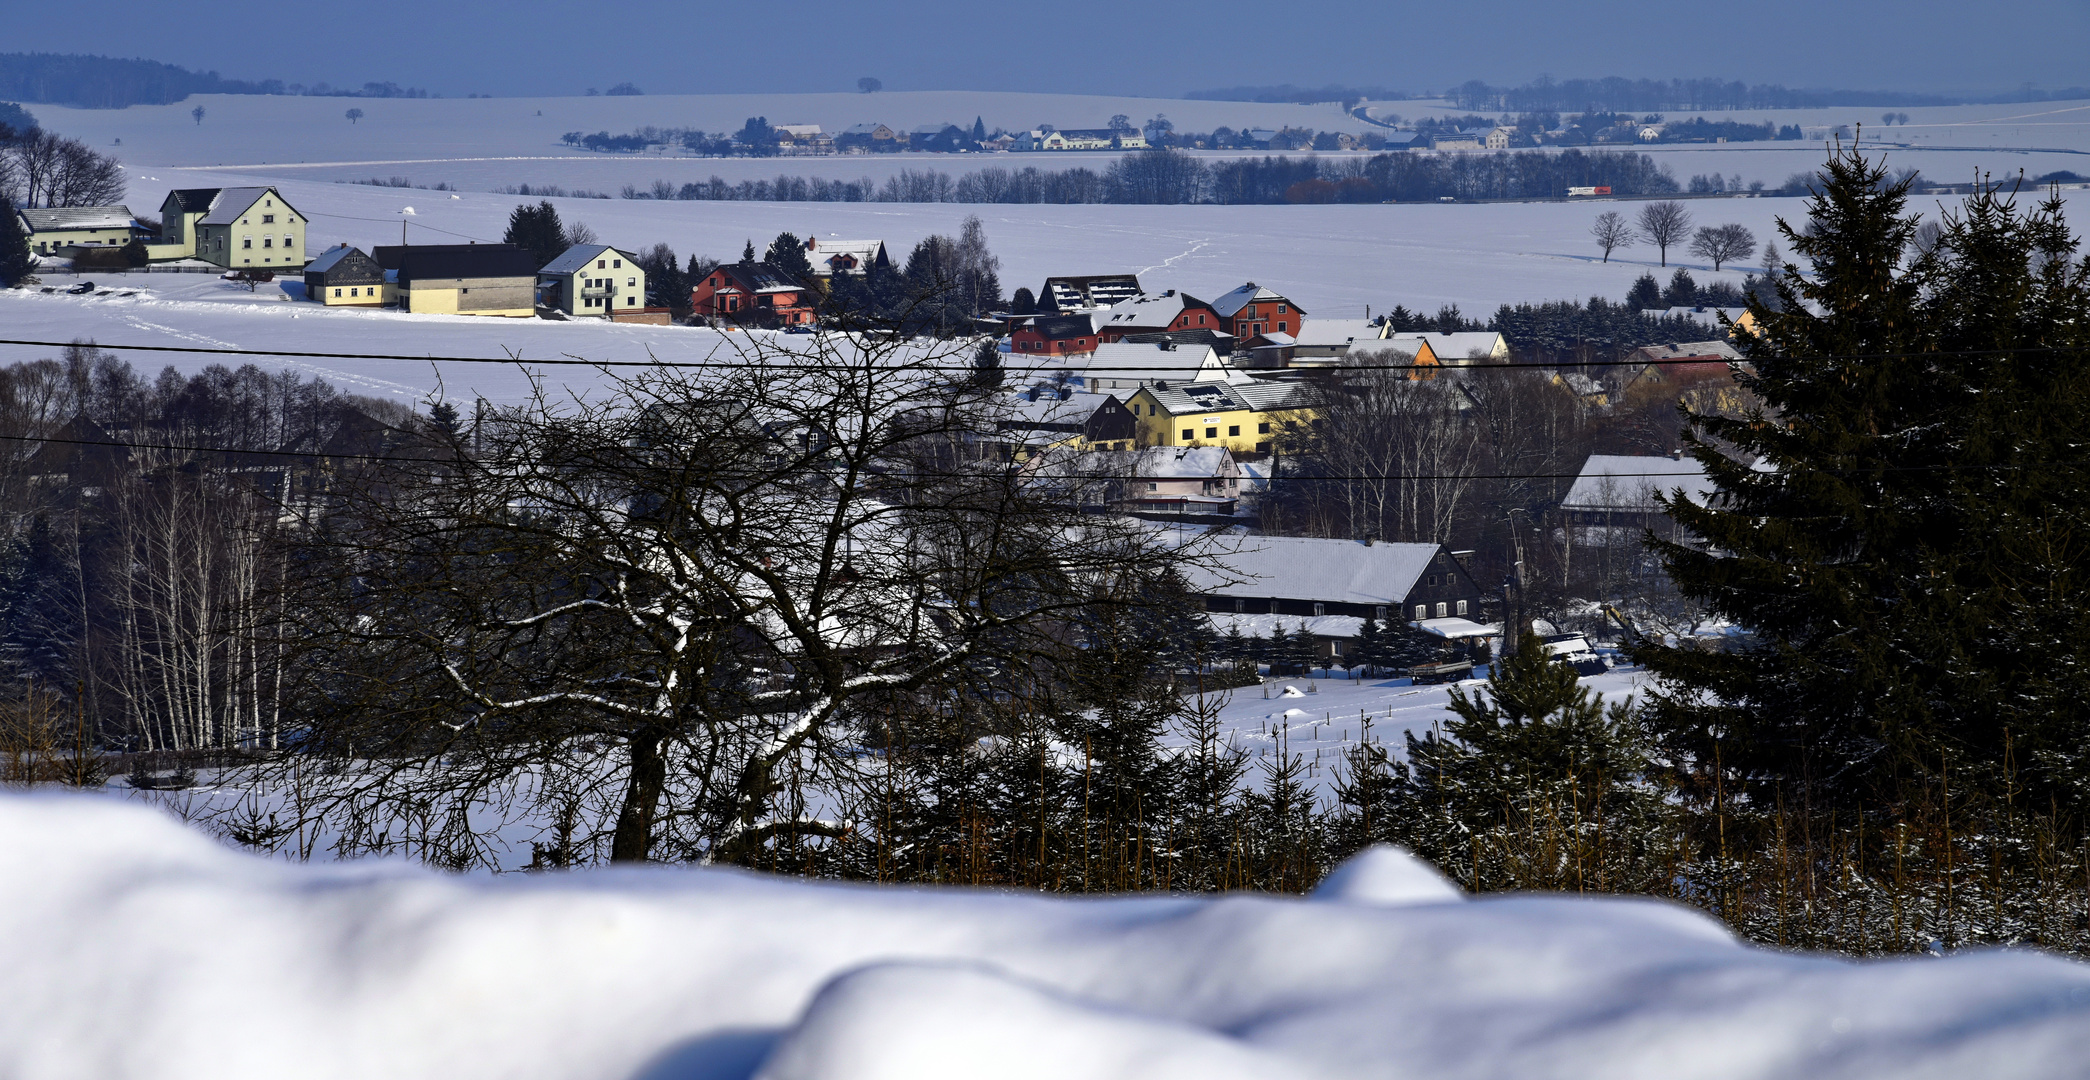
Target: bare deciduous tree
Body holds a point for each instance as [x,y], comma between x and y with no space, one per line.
[353,115]
[1611,231]
[1723,244]
[1664,223]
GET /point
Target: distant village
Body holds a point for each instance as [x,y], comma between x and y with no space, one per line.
[1184,403]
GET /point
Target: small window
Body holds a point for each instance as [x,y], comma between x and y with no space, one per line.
[463,291]
[631,283]
[1443,609]
[1263,428]
[616,264]
[1462,607]
[337,292]
[602,264]
[1233,429]
[1422,611]
[268,219]
[268,242]
[1433,581]
[247,243]
[1153,487]
[1280,311]
[1320,609]
[1188,434]
[1379,612]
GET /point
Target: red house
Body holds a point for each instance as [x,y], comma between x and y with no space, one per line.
[1252,310]
[751,293]
[1055,335]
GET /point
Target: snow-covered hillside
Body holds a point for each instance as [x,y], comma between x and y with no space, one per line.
[137,948]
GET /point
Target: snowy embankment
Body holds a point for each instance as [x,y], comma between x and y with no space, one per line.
[138,948]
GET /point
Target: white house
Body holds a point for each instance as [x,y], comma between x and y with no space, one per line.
[593,281]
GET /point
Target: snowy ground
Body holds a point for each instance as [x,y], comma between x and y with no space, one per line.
[138,948]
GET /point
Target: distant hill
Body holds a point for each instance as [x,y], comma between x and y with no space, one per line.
[105,82]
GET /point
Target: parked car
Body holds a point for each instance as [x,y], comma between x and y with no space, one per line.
[1575,651]
[82,287]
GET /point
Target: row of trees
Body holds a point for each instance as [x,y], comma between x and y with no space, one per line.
[1667,223]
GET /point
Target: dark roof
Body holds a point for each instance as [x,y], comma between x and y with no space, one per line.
[466,261]
[388,255]
[345,263]
[1056,327]
[759,277]
[1218,339]
[193,200]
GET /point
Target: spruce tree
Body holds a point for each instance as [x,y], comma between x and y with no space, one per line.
[1899,529]
[16,261]
[1371,647]
[1645,295]
[788,253]
[1277,650]
[537,230]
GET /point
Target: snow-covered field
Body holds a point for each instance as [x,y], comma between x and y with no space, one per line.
[137,948]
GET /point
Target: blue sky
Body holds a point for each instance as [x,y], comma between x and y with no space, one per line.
[522,47]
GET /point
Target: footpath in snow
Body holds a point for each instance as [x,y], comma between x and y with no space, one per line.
[138,948]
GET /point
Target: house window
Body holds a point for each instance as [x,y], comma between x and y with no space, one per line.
[1379,612]
[1263,428]
[337,292]
[1188,434]
[1443,609]
[1201,320]
[602,264]
[1433,581]
[1422,611]
[1233,429]
[1280,311]
[1211,433]
[1320,609]
[1462,607]
[268,242]
[616,264]
[247,242]
[631,283]
[1262,447]
[268,219]
[1153,487]
[1282,325]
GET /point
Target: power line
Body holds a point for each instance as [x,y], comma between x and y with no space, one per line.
[968,366]
[1681,479]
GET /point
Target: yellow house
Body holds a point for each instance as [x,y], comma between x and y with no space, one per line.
[1247,419]
[468,279]
[53,228]
[244,228]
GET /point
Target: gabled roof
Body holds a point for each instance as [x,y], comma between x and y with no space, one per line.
[579,256]
[760,277]
[863,129]
[1061,327]
[1336,333]
[1150,312]
[1185,398]
[1124,362]
[1691,350]
[1618,482]
[192,200]
[330,258]
[1050,409]
[1184,463]
[1456,348]
[234,201]
[466,261]
[1306,568]
[831,257]
[52,219]
[1246,295]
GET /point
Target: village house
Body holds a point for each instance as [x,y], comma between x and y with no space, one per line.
[53,229]
[1461,348]
[1080,293]
[751,293]
[1054,414]
[597,281]
[1252,310]
[1329,341]
[1245,418]
[467,279]
[1168,312]
[853,257]
[802,138]
[1082,139]
[237,228]
[1411,353]
[1126,366]
[1256,583]
[1180,481]
[1055,335]
[342,276]
[866,139]
[1612,500]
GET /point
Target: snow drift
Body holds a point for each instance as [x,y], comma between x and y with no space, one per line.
[136,947]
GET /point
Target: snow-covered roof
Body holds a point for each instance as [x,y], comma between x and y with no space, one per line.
[232,202]
[1307,568]
[328,258]
[1215,396]
[1134,365]
[1618,482]
[1455,627]
[1242,297]
[1335,333]
[1456,348]
[1691,350]
[1184,463]
[56,218]
[1276,339]
[1050,408]
[1156,311]
[577,258]
[831,257]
